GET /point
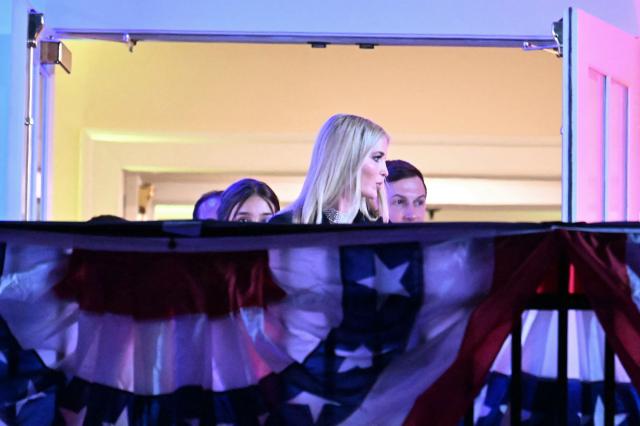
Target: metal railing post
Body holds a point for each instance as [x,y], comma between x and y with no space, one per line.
[35,26]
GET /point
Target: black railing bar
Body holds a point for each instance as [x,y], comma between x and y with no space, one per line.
[609,384]
[563,343]
[468,418]
[515,391]
[553,302]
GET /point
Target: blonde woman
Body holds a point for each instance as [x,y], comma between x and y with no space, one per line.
[345,182]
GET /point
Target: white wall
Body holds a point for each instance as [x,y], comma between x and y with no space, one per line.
[526,177]
[13,57]
[446,18]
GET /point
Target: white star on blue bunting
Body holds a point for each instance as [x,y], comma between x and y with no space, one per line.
[361,357]
[31,395]
[314,402]
[480,406]
[386,281]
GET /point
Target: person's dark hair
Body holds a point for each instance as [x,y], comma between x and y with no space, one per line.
[238,192]
[107,219]
[399,169]
[204,198]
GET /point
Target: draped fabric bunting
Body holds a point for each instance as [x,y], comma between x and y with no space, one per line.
[606,268]
[213,324]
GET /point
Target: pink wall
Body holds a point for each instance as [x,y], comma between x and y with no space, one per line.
[606,129]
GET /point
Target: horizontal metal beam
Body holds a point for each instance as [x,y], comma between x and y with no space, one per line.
[552,302]
[312,39]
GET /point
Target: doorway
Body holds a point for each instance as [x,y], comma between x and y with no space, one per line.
[483,124]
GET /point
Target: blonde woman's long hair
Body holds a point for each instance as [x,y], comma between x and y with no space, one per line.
[342,145]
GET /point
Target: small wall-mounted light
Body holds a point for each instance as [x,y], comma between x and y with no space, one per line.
[145,197]
[366,46]
[34,28]
[318,44]
[131,42]
[55,53]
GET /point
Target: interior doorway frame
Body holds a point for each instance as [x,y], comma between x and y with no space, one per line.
[313,40]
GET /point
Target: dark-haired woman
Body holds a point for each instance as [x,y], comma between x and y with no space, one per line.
[248,200]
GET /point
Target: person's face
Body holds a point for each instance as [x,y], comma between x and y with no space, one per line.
[254,209]
[374,170]
[407,200]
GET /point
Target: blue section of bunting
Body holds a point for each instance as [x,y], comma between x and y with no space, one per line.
[189,404]
[28,389]
[540,396]
[382,293]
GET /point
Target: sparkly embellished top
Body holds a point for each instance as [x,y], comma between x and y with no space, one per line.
[287,217]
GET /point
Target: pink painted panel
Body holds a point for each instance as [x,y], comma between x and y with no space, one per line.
[590,153]
[616,152]
[605,136]
[633,156]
